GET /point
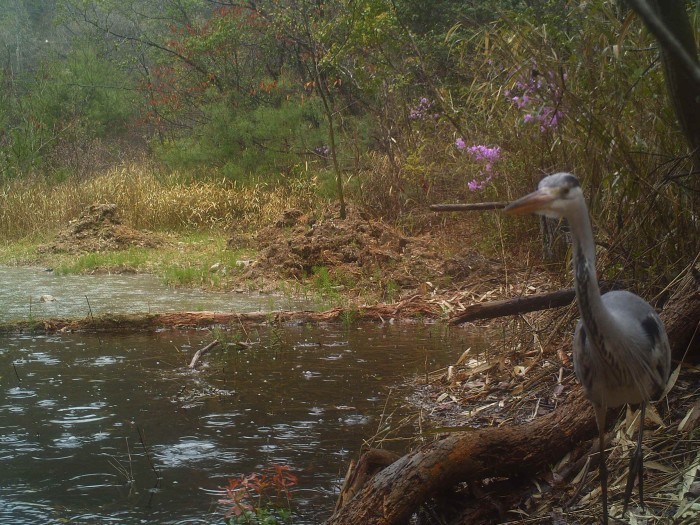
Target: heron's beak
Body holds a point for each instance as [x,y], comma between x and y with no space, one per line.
[531,203]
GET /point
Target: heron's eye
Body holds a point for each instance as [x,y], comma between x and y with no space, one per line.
[565,191]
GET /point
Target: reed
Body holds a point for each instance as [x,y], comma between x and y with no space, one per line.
[146,199]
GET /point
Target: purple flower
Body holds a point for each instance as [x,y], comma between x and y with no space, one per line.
[538,95]
[419,112]
[322,151]
[474,185]
[486,158]
[484,153]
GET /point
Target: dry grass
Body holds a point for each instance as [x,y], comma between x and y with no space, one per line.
[145,199]
[524,370]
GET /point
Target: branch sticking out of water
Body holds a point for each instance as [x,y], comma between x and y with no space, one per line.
[89,308]
[202,351]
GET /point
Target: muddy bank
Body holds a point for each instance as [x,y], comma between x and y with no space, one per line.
[98,229]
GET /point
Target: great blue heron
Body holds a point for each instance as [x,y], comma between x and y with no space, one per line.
[621,350]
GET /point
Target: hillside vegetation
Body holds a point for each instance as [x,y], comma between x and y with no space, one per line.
[198,116]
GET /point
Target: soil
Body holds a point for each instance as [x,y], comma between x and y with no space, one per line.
[99,229]
[358,252]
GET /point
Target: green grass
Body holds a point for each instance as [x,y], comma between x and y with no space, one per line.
[199,259]
[133,259]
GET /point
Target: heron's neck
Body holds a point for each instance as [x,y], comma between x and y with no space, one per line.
[593,313]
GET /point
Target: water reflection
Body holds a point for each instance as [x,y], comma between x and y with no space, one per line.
[97,428]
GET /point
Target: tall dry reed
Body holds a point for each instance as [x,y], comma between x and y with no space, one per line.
[147,200]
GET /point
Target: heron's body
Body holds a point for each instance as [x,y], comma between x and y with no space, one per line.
[620,373]
[621,350]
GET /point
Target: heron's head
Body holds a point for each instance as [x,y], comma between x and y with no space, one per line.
[555,195]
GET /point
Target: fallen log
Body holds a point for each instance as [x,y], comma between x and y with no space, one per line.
[516,306]
[199,353]
[394,494]
[414,307]
[683,329]
[520,305]
[397,491]
[358,474]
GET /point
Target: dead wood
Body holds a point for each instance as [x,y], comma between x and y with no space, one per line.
[520,305]
[360,472]
[682,318]
[395,493]
[199,353]
[476,206]
[516,306]
[414,307]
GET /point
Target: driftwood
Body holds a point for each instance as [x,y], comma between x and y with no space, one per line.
[395,493]
[414,307]
[360,472]
[684,329]
[516,306]
[520,305]
[476,206]
[199,353]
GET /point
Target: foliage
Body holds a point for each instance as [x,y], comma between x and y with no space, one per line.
[75,98]
[264,140]
[374,97]
[261,497]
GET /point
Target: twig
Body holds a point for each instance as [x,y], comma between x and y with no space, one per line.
[201,352]
[476,206]
[148,455]
[89,308]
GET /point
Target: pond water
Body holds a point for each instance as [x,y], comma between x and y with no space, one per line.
[79,295]
[80,414]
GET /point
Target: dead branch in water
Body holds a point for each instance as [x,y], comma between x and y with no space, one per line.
[516,306]
[202,351]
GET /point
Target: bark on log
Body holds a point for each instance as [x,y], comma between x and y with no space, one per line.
[681,316]
[516,306]
[397,491]
[409,308]
[394,494]
[358,474]
[520,305]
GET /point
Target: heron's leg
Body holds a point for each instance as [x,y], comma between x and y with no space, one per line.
[640,454]
[600,412]
[636,469]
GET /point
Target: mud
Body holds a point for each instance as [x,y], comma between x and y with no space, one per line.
[358,249]
[99,229]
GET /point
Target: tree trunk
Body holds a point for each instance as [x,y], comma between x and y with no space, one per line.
[397,491]
[668,21]
[681,317]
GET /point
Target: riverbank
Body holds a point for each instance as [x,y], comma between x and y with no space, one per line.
[365,269]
